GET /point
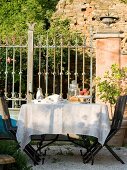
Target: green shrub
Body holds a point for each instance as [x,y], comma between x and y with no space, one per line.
[11,148]
[112,84]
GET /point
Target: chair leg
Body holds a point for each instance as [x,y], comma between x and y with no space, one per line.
[95,150]
[91,156]
[31,152]
[31,155]
[87,156]
[114,154]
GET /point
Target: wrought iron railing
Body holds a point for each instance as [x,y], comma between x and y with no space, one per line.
[49,63]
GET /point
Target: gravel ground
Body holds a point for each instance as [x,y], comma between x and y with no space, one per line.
[67,157]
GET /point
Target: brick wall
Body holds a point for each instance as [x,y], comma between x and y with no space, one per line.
[85,13]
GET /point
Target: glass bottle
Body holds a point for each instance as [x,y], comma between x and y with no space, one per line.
[39,94]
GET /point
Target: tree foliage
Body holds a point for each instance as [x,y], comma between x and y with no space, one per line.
[15,14]
[124,1]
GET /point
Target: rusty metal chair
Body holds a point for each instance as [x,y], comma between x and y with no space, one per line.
[115,127]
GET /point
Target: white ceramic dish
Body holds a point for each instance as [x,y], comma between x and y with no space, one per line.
[84,97]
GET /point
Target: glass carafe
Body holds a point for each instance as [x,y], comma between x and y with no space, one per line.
[73,90]
[39,94]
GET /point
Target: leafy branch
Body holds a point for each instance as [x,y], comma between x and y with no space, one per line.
[112,84]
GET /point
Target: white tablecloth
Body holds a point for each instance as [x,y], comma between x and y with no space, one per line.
[62,118]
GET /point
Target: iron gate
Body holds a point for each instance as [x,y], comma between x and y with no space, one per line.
[47,62]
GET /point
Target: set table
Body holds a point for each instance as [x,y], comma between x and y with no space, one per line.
[62,117]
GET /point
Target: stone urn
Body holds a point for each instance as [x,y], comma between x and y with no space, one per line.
[108,20]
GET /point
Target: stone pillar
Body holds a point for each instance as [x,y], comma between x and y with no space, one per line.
[108,51]
[30,62]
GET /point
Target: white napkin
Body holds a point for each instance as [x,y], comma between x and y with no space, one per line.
[53,98]
[50,99]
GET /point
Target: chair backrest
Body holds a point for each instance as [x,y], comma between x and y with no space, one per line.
[5,113]
[118,113]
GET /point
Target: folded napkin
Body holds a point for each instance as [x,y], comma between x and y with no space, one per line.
[53,98]
[50,99]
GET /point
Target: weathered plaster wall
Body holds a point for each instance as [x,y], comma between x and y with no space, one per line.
[85,13]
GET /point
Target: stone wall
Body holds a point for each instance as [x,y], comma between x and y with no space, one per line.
[85,13]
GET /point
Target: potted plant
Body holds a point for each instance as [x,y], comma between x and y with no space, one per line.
[109,87]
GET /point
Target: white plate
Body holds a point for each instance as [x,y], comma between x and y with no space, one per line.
[84,97]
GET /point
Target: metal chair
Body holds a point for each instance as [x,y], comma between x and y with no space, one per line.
[29,150]
[115,127]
